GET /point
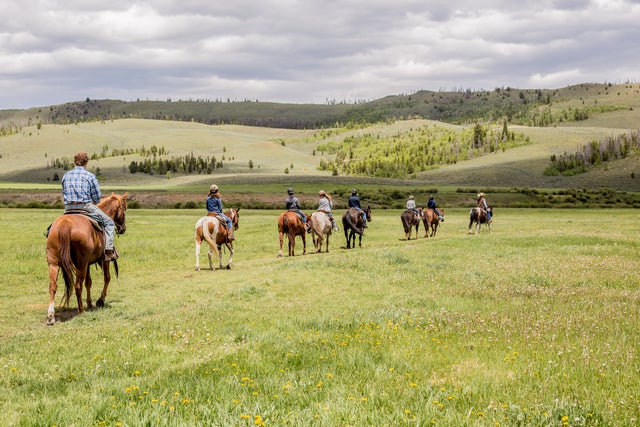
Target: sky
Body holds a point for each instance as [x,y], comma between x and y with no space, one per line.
[313,51]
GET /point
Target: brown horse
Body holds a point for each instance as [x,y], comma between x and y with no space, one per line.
[73,244]
[289,223]
[409,220]
[321,228]
[209,227]
[479,216]
[353,223]
[430,220]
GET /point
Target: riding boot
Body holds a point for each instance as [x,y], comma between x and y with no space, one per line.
[110,254]
[335,226]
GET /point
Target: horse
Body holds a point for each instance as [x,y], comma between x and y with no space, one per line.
[353,223]
[411,219]
[431,221]
[209,227]
[479,216]
[289,223]
[321,228]
[74,243]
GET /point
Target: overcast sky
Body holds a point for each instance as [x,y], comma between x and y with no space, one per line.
[57,51]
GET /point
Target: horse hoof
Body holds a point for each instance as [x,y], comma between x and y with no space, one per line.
[51,321]
[228,267]
[100,303]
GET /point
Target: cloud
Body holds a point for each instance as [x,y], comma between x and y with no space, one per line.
[298,51]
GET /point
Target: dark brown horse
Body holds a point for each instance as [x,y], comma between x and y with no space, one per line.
[411,219]
[479,216]
[431,221]
[73,244]
[210,228]
[353,224]
[289,223]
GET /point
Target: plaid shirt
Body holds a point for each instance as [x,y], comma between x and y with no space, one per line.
[80,185]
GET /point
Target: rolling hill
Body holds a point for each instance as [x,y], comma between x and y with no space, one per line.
[290,145]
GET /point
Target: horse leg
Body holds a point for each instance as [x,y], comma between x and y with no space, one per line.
[281,237]
[326,243]
[87,284]
[304,244]
[229,246]
[106,276]
[198,244]
[210,257]
[78,288]
[53,287]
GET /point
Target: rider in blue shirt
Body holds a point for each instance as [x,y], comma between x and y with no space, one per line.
[214,206]
[431,204]
[80,190]
[354,202]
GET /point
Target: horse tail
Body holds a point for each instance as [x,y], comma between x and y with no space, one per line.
[69,269]
[205,233]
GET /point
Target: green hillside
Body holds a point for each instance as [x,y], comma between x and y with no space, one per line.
[180,153]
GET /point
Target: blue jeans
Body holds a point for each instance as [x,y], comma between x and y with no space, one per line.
[109,225]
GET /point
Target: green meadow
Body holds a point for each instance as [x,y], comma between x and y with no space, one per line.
[534,324]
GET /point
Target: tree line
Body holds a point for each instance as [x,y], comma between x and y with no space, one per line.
[594,153]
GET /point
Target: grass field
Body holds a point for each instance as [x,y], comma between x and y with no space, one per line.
[532,325]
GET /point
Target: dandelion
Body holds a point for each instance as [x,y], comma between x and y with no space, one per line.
[258,420]
[480,414]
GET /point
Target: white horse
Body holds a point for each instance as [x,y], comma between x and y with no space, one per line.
[320,227]
[208,229]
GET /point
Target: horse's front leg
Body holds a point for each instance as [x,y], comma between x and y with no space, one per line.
[106,275]
[53,287]
[230,247]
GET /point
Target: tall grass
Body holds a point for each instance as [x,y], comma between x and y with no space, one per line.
[534,324]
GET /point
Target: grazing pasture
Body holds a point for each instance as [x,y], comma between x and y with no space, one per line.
[534,324]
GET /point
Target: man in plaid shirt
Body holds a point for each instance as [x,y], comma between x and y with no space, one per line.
[80,190]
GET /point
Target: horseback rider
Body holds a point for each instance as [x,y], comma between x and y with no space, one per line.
[81,191]
[292,204]
[411,205]
[324,205]
[354,202]
[431,204]
[482,204]
[214,208]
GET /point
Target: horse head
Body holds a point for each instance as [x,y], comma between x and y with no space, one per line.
[116,207]
[234,215]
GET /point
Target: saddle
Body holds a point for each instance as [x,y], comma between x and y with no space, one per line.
[96,222]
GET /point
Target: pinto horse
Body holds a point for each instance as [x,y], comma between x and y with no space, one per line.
[321,228]
[209,228]
[431,221]
[479,217]
[74,243]
[409,220]
[353,223]
[289,223]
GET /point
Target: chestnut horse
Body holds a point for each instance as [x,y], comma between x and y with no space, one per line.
[479,216]
[353,224]
[409,220]
[320,227]
[73,244]
[289,223]
[209,227]
[431,221]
